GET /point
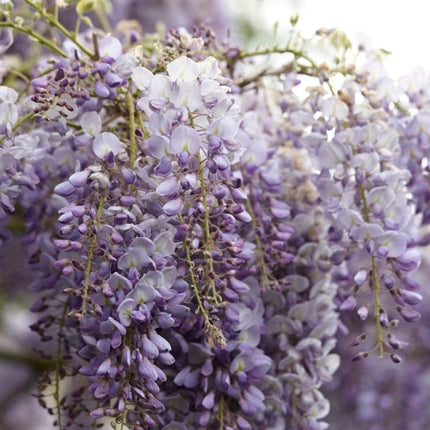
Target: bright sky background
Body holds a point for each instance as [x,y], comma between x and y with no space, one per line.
[401,27]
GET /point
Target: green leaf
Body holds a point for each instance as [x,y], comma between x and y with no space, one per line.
[104,5]
[294,19]
[276,29]
[340,40]
[87,21]
[84,6]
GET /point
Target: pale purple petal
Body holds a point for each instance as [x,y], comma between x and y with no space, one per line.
[141,77]
[173,207]
[185,139]
[348,304]
[79,179]
[168,188]
[184,69]
[105,143]
[91,123]
[395,242]
[64,188]
[124,311]
[110,47]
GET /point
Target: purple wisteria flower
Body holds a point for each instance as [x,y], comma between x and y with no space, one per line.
[196,234]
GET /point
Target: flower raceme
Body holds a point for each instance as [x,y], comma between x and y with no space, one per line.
[192,242]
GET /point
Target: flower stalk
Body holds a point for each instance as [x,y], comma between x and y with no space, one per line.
[90,257]
[376,287]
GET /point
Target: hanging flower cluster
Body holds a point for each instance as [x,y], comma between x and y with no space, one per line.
[194,229]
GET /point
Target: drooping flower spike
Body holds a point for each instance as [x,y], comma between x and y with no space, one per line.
[197,232]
